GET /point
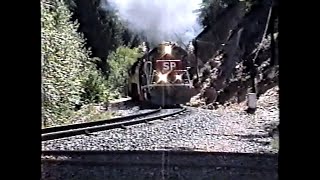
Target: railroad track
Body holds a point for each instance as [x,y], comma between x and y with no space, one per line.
[161,164]
[119,122]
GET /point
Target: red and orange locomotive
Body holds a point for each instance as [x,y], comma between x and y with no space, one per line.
[161,76]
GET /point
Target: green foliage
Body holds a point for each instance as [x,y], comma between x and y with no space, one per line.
[69,76]
[101,27]
[211,9]
[95,88]
[65,63]
[90,112]
[119,62]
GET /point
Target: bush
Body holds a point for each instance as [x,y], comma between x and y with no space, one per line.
[95,89]
[119,62]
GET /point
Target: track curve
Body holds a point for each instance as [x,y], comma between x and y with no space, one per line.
[85,128]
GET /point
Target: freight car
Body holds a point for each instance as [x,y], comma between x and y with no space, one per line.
[161,76]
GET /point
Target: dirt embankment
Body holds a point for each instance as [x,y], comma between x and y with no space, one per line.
[240,46]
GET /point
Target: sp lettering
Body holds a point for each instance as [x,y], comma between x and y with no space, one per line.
[168,66]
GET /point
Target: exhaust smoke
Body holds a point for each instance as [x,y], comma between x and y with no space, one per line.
[158,20]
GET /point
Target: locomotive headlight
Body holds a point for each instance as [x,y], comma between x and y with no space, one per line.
[178,77]
[162,77]
[167,49]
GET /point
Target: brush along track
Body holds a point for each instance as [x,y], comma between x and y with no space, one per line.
[159,164]
[85,128]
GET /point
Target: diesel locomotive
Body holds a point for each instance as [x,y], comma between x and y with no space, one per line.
[161,76]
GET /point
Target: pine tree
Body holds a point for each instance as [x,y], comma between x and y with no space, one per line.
[101,27]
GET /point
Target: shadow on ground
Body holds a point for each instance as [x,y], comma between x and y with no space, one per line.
[191,165]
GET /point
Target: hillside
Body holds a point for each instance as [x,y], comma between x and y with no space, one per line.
[80,70]
[238,45]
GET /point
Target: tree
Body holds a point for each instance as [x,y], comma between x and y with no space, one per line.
[65,63]
[120,61]
[101,27]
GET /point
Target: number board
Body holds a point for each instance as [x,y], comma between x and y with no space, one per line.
[165,66]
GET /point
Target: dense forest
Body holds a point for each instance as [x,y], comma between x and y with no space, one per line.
[87,50]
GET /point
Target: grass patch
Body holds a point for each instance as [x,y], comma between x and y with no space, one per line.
[87,113]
